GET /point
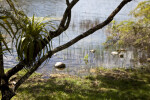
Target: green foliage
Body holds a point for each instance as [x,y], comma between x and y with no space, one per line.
[134,32]
[27,34]
[23,72]
[142,10]
[10,22]
[31,39]
[86,57]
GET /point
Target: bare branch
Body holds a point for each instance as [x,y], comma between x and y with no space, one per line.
[67,23]
[15,69]
[32,70]
[67,2]
[67,12]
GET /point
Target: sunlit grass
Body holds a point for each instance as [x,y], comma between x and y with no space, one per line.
[105,84]
[23,72]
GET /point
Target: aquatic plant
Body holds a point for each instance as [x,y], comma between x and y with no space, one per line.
[86,57]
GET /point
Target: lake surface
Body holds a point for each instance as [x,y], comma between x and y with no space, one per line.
[85,14]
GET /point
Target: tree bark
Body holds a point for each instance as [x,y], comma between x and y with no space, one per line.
[7,93]
[32,70]
[1,60]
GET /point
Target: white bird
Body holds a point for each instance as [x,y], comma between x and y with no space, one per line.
[92,51]
[114,53]
[60,65]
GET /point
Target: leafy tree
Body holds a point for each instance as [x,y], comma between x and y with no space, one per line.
[28,35]
[134,32]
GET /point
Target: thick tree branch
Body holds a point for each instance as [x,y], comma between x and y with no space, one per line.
[66,16]
[65,20]
[32,70]
[15,69]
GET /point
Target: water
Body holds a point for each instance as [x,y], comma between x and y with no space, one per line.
[85,14]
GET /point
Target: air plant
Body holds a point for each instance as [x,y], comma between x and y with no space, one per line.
[29,35]
[31,40]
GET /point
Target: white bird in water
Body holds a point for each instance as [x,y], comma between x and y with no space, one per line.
[60,65]
[92,51]
[114,53]
[119,53]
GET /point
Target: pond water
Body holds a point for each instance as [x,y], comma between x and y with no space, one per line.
[85,14]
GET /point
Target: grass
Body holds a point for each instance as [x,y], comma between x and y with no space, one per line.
[23,72]
[106,84]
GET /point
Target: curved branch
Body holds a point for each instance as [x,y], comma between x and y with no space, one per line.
[65,20]
[66,16]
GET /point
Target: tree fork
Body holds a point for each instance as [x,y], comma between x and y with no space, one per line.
[52,34]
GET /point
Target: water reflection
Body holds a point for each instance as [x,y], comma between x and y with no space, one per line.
[83,18]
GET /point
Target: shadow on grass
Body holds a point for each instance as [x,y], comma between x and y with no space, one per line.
[127,89]
[99,87]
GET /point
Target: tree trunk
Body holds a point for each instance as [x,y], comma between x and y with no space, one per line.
[7,93]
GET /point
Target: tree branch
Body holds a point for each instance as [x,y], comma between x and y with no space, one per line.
[1,61]
[56,33]
[92,30]
[52,34]
[32,70]
[67,15]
